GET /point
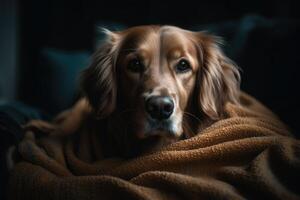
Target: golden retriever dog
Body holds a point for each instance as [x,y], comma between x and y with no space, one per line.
[148,86]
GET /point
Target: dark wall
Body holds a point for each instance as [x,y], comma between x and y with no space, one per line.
[8,44]
[69,24]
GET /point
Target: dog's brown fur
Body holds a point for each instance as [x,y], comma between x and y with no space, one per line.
[114,96]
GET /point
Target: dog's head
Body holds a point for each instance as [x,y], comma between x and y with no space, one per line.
[159,78]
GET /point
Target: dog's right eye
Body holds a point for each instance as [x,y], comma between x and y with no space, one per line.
[135,65]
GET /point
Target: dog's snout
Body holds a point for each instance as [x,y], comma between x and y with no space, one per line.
[160,107]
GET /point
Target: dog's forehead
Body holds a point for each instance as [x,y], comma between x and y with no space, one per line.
[151,38]
[175,42]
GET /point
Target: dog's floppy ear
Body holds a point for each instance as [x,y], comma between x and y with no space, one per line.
[98,81]
[218,78]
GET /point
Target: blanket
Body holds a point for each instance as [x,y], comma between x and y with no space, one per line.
[248,155]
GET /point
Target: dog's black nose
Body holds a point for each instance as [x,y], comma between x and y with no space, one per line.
[160,107]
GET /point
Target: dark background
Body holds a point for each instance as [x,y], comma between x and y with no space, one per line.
[267,53]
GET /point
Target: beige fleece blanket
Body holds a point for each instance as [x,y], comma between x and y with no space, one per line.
[248,155]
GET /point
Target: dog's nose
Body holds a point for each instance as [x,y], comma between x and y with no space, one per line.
[160,107]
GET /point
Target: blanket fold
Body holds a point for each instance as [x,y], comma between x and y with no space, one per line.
[248,155]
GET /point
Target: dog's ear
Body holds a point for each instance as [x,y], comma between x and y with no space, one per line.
[218,78]
[98,81]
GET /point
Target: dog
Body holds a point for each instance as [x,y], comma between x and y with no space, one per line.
[149,86]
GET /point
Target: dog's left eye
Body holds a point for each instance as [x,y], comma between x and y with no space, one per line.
[135,65]
[183,66]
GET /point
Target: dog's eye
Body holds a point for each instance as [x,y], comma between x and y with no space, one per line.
[183,66]
[135,65]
